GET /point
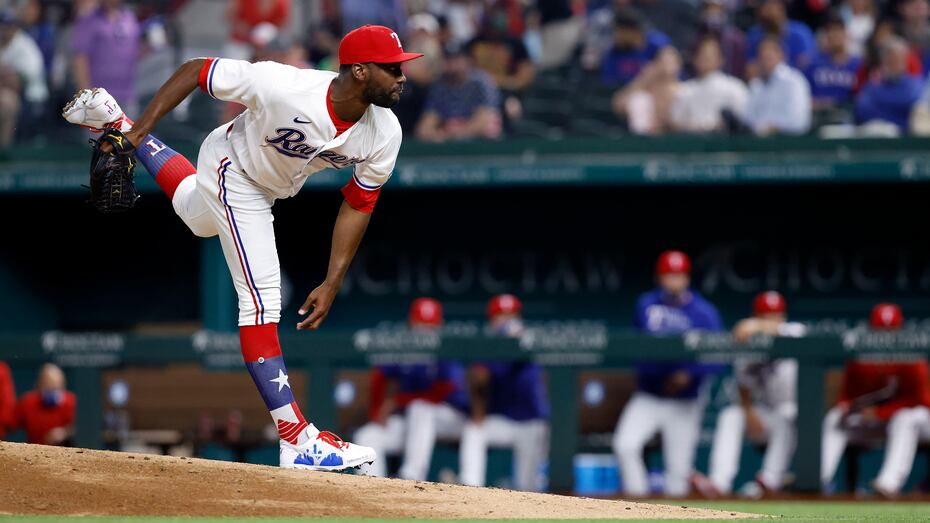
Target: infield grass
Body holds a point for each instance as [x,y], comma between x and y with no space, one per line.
[788,511]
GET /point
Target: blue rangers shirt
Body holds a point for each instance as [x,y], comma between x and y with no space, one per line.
[517,390]
[832,81]
[443,381]
[657,314]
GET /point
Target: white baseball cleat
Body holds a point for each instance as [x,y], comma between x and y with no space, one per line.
[325,451]
[96,109]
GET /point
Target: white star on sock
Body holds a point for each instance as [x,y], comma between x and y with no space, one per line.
[281,380]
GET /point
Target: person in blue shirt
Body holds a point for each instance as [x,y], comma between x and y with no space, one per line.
[411,406]
[668,397]
[797,39]
[509,407]
[634,47]
[832,72]
[890,97]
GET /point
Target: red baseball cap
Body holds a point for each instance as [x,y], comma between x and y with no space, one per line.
[425,311]
[769,302]
[373,43]
[886,316]
[673,262]
[504,304]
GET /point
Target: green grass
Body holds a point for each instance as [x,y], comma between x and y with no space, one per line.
[787,511]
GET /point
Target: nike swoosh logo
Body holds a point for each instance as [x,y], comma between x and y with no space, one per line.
[298,120]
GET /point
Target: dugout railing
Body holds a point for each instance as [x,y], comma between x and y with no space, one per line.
[563,351]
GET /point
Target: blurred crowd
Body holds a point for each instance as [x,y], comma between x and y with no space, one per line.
[523,67]
[505,404]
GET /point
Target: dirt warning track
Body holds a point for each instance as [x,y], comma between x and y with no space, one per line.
[50,480]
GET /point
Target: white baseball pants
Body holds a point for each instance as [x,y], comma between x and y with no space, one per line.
[728,443]
[833,444]
[528,439]
[906,429]
[679,422]
[414,434]
[221,200]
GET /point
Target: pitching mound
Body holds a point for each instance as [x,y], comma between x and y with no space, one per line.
[49,480]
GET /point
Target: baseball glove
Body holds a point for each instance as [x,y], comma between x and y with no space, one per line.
[112,187]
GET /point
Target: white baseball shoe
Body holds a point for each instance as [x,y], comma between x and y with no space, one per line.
[325,451]
[96,109]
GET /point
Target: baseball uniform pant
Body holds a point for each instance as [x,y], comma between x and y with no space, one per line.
[387,440]
[906,429]
[220,200]
[728,443]
[833,444]
[528,439]
[679,422]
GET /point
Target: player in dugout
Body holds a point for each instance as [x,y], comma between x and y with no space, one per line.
[47,413]
[670,396]
[411,406]
[765,411]
[509,407]
[872,396]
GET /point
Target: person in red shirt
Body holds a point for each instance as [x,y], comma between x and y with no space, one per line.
[410,406]
[47,413]
[7,400]
[872,396]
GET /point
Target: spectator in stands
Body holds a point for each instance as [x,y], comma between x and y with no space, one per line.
[832,72]
[668,398]
[765,411]
[34,23]
[599,33]
[462,105]
[708,101]
[560,32]
[676,18]
[7,400]
[779,98]
[389,13]
[915,27]
[424,31]
[889,99]
[634,48]
[859,18]
[47,413]
[111,27]
[244,16]
[715,23]
[503,57]
[647,101]
[410,406]
[885,31]
[509,407]
[22,77]
[796,39]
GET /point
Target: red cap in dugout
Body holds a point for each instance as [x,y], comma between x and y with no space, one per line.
[373,43]
[769,302]
[425,311]
[886,316]
[673,262]
[504,304]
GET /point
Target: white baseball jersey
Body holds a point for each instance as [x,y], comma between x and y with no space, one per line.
[773,384]
[287,133]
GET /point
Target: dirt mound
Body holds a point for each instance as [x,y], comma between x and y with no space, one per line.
[49,480]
